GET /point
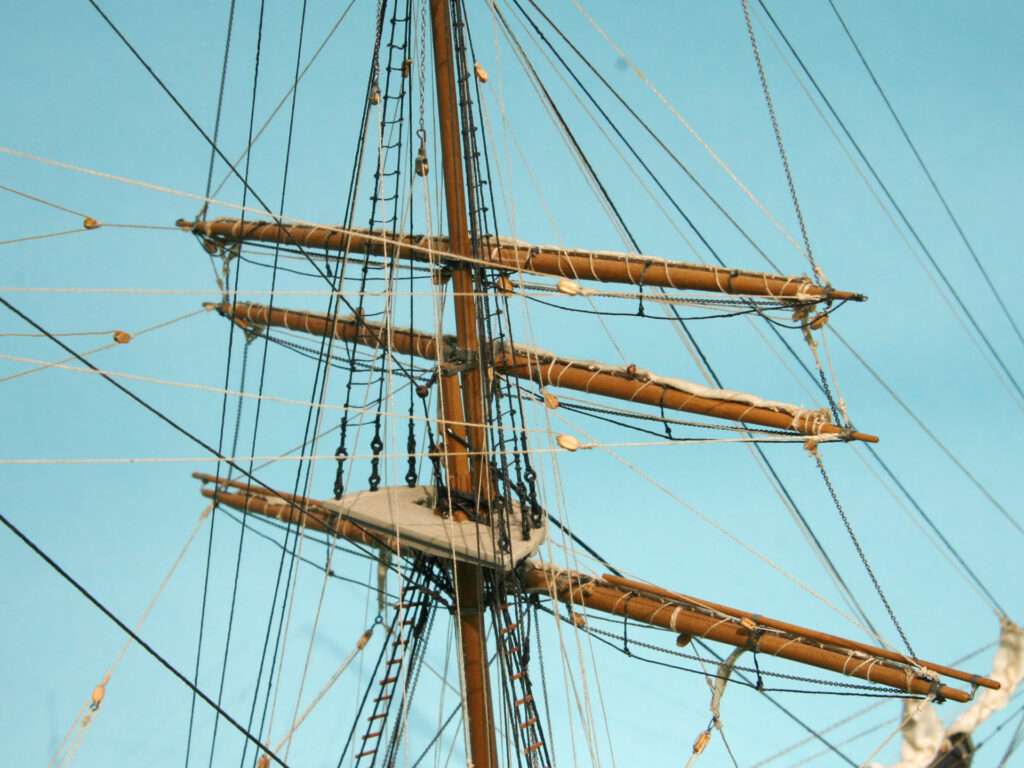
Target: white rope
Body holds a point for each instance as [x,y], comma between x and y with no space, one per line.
[292,87]
[42,365]
[222,391]
[43,237]
[912,712]
[764,558]
[360,644]
[896,226]
[90,718]
[690,128]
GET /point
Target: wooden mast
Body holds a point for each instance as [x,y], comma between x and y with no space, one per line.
[468,578]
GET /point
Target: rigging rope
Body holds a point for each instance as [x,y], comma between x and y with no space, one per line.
[133,635]
[899,211]
[116,334]
[860,553]
[99,693]
[959,465]
[928,175]
[778,140]
[688,127]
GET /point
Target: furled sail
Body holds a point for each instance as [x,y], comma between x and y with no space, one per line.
[548,369]
[926,743]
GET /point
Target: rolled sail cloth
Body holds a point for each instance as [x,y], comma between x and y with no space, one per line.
[924,738]
[638,385]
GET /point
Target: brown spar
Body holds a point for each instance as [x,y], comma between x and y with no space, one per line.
[402,340]
[646,603]
[563,373]
[294,510]
[631,269]
[560,373]
[810,634]
[576,589]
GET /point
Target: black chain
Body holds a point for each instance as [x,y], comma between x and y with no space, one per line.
[633,642]
[860,552]
[377,445]
[778,141]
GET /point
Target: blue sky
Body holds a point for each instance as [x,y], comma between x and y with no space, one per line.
[73,93]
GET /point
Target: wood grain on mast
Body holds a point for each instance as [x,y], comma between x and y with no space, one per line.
[468,578]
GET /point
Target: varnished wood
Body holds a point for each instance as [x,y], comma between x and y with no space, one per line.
[647,603]
[469,579]
[520,363]
[576,264]
[686,618]
[810,634]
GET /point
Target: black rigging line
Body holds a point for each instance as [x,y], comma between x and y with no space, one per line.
[213,517]
[610,122]
[238,559]
[710,651]
[927,173]
[583,544]
[1014,739]
[760,451]
[860,553]
[818,275]
[331,573]
[437,735]
[674,309]
[238,419]
[737,674]
[657,181]
[830,565]
[162,417]
[350,212]
[775,329]
[369,330]
[654,136]
[778,141]
[568,133]
[135,638]
[750,310]
[949,454]
[874,453]
[598,413]
[817,542]
[935,529]
[220,104]
[425,272]
[202,623]
[173,424]
[897,208]
[853,689]
[227,377]
[302,465]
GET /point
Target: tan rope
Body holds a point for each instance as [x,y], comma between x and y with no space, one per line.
[44,202]
[42,237]
[764,558]
[689,128]
[360,644]
[910,716]
[60,364]
[93,703]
